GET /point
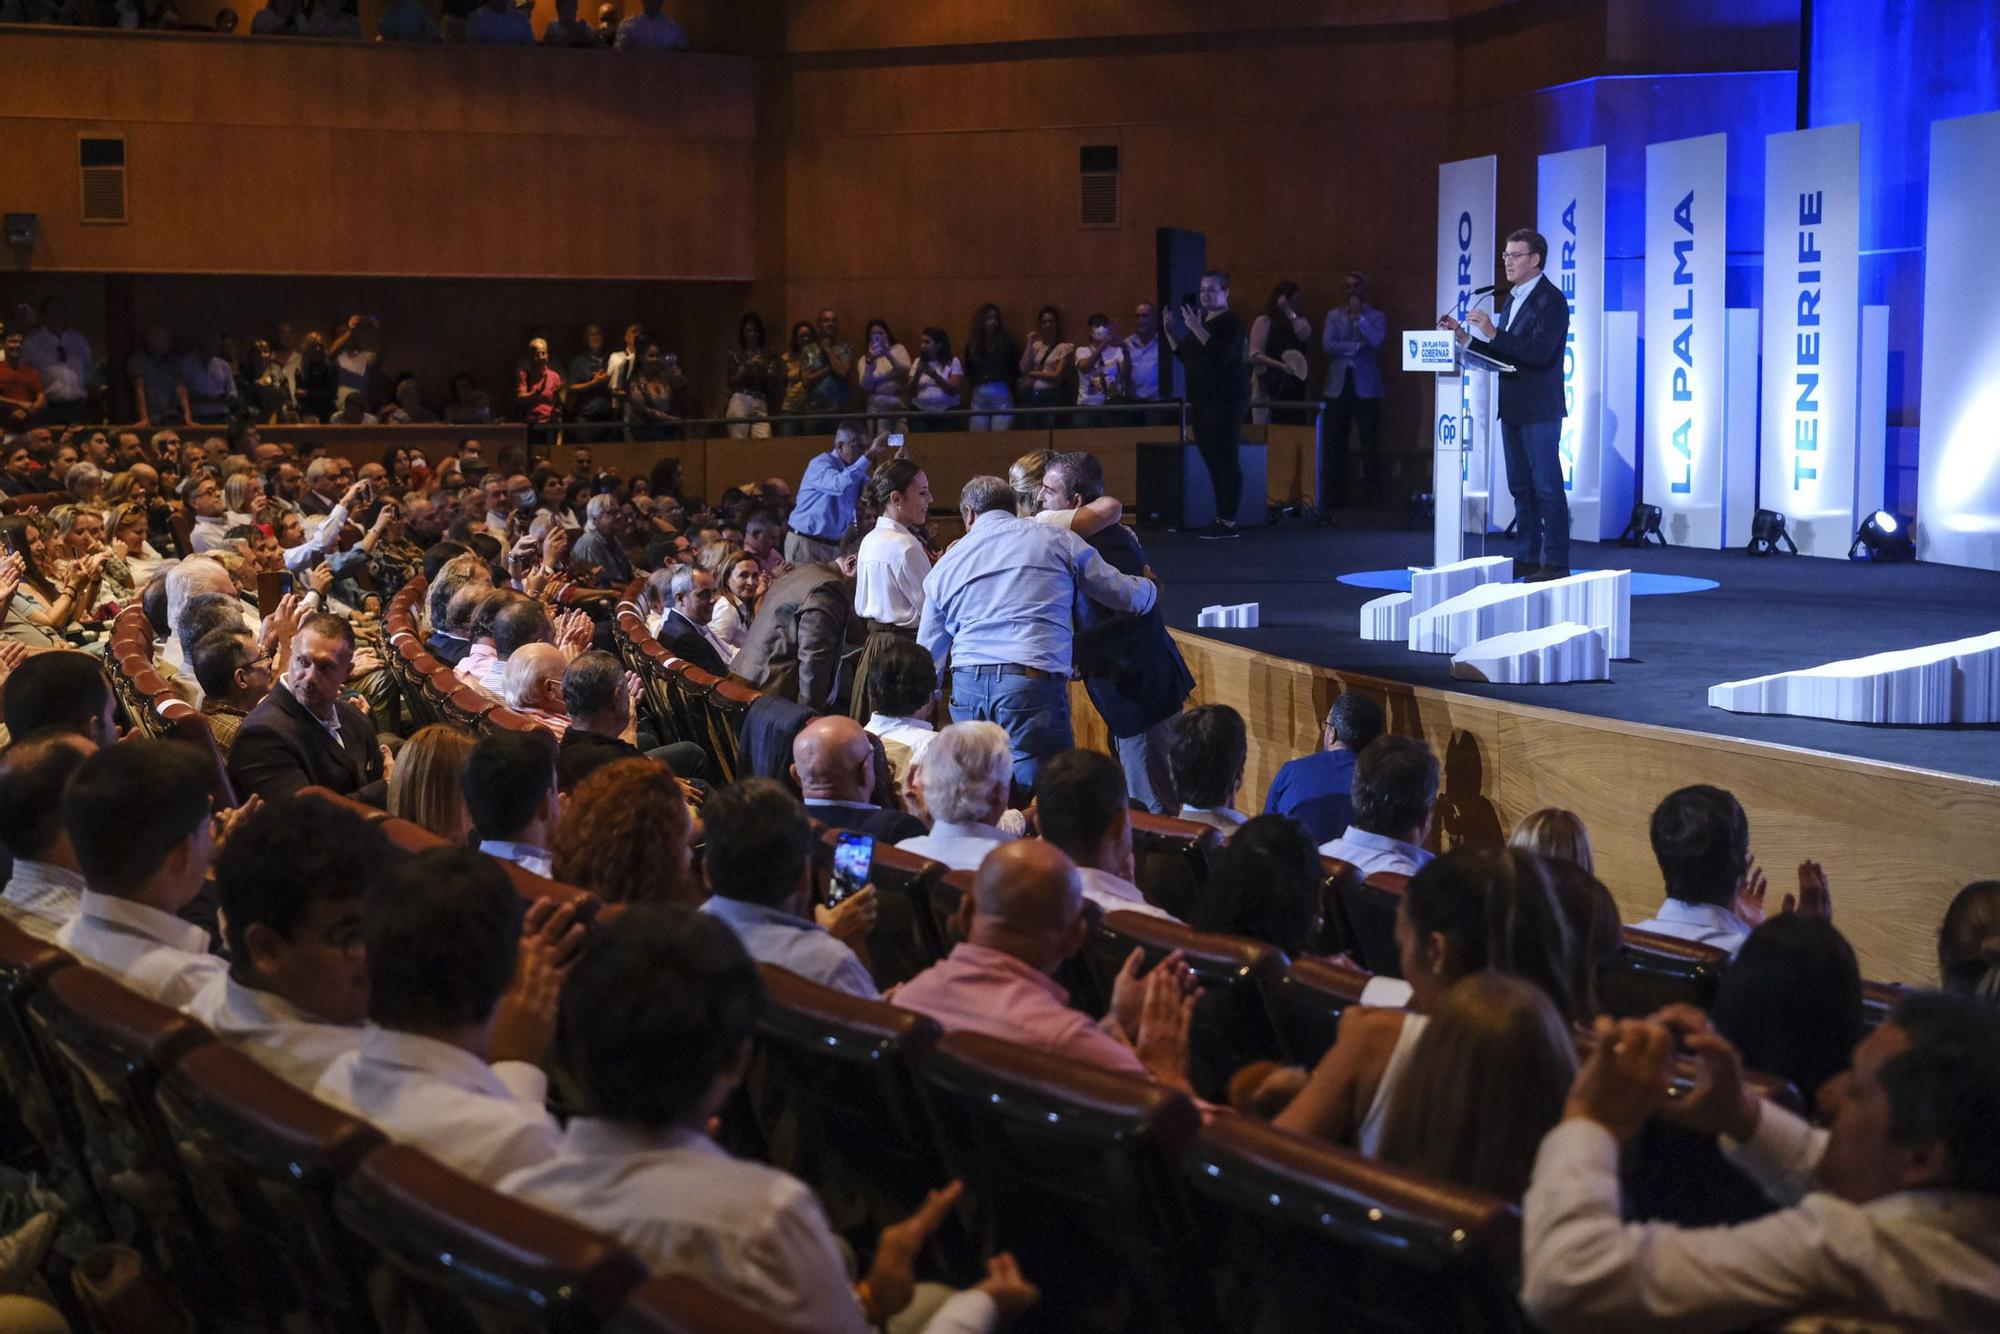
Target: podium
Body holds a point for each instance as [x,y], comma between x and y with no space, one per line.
[1437,353]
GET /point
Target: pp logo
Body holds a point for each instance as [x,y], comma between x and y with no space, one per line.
[1413,349]
[1447,429]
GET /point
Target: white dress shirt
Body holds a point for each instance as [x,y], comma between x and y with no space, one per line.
[482,1120]
[1144,361]
[729,626]
[889,575]
[1503,317]
[1369,853]
[1929,1256]
[321,539]
[903,741]
[1114,893]
[64,361]
[683,1205]
[534,858]
[293,1045]
[959,846]
[43,897]
[205,533]
[154,953]
[1702,923]
[1225,818]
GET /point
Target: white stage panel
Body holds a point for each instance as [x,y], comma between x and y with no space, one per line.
[1553,655]
[1570,213]
[1686,245]
[1600,599]
[1956,682]
[1465,260]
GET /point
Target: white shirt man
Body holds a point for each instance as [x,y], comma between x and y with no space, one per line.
[293,1045]
[64,362]
[41,897]
[1703,923]
[1369,853]
[155,953]
[1114,893]
[960,845]
[1142,358]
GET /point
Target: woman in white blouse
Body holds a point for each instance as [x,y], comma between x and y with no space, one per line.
[739,584]
[889,568]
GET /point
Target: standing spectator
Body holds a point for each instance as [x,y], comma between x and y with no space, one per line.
[805,367]
[754,373]
[1350,336]
[538,389]
[1001,602]
[1316,789]
[1043,365]
[498,23]
[607,24]
[937,380]
[1101,372]
[992,360]
[1279,330]
[1214,350]
[61,355]
[1208,752]
[279,18]
[1395,798]
[263,391]
[589,371]
[285,354]
[22,398]
[356,349]
[406,21]
[649,397]
[890,567]
[623,364]
[318,380]
[799,644]
[885,378]
[211,383]
[158,394]
[1142,353]
[831,394]
[650,30]
[828,493]
[566,29]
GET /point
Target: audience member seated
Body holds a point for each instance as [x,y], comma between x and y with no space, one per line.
[1969,942]
[1557,834]
[1790,1001]
[640,1165]
[1265,885]
[450,599]
[598,547]
[291,881]
[1485,1082]
[1395,796]
[1206,757]
[462,990]
[1894,1210]
[683,629]
[626,835]
[902,690]
[1081,807]
[1316,789]
[1701,838]
[1022,921]
[45,889]
[967,775]
[1596,936]
[601,699]
[1466,912]
[533,685]
[64,690]
[426,788]
[138,819]
[234,675]
[510,793]
[833,762]
[304,734]
[484,667]
[758,864]
[185,582]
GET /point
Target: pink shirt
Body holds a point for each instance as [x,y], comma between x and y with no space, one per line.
[540,395]
[982,990]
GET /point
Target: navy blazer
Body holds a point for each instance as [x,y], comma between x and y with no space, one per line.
[1130,666]
[1533,344]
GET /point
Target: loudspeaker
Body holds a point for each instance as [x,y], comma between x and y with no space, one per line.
[1179,259]
[1174,487]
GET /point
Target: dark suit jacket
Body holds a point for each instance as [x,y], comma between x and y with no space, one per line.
[1533,343]
[282,748]
[448,649]
[800,640]
[684,639]
[883,826]
[1131,669]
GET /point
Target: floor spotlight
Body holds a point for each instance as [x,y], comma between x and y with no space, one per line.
[1768,535]
[1883,537]
[1645,523]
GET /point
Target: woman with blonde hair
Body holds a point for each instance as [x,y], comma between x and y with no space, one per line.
[1025,476]
[625,836]
[1557,833]
[424,786]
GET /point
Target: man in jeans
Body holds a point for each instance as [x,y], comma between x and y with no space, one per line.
[1001,603]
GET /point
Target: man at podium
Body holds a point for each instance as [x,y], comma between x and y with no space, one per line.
[1530,333]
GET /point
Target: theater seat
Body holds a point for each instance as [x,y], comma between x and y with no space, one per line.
[1074,1170]
[727,703]
[1317,1237]
[905,940]
[1308,1003]
[1367,908]
[185,723]
[834,1088]
[1233,1023]
[673,1304]
[459,1256]
[1652,970]
[500,718]
[34,1086]
[1170,859]
[263,1159]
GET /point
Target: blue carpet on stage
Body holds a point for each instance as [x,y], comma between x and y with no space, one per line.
[1751,616]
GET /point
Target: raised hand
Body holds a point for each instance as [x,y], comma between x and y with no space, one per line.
[1815,896]
[892,1279]
[1625,1078]
[852,918]
[524,1023]
[1162,1045]
[1008,1287]
[573,634]
[1719,1104]
[1750,895]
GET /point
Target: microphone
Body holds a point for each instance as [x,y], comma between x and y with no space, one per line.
[1477,294]
[1487,290]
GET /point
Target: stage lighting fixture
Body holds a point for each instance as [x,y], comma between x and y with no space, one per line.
[1767,533]
[1645,523]
[1882,537]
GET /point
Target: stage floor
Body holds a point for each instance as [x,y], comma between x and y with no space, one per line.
[1765,615]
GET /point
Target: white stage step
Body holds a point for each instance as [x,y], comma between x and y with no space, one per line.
[1387,617]
[1599,599]
[1444,582]
[1957,682]
[1552,655]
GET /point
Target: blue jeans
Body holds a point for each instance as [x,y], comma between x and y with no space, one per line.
[1534,476]
[1035,713]
[986,398]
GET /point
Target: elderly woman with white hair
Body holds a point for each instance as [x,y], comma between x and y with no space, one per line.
[966,776]
[599,546]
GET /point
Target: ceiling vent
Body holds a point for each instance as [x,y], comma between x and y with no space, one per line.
[102,164]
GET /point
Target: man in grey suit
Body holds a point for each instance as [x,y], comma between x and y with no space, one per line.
[803,636]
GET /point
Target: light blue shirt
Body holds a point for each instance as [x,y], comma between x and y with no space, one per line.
[794,944]
[521,854]
[1009,592]
[959,846]
[827,494]
[1370,853]
[1703,923]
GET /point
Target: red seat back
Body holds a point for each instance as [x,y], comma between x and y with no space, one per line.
[1308,1003]
[1367,909]
[1170,859]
